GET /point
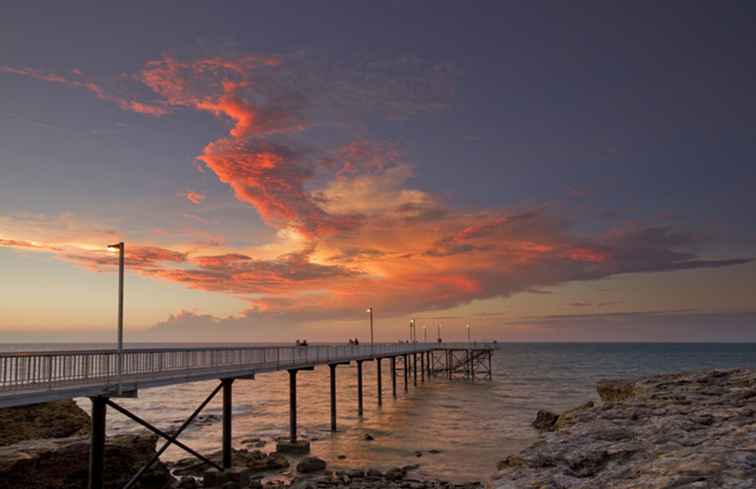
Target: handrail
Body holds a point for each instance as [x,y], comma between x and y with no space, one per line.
[49,369]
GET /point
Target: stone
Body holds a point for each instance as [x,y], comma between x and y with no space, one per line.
[311,464]
[62,463]
[297,447]
[545,420]
[55,419]
[212,477]
[238,474]
[188,483]
[395,474]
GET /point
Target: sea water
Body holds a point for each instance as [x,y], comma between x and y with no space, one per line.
[471,425]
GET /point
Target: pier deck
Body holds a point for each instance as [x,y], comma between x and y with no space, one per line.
[30,377]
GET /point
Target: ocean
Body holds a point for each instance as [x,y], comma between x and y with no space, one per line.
[472,425]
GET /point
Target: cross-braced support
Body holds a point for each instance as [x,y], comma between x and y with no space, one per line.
[98,424]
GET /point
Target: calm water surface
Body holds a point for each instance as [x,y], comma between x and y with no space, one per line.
[474,425]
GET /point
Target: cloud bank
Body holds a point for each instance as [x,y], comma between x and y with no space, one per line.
[362,234]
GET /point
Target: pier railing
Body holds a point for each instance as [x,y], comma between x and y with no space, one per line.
[50,369]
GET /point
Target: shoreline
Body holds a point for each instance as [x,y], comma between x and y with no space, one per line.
[695,429]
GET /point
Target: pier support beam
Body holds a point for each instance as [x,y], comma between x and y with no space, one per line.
[293,445]
[449,362]
[406,371]
[293,405]
[430,364]
[359,388]
[378,380]
[97,443]
[332,368]
[422,367]
[227,405]
[490,370]
[414,369]
[393,377]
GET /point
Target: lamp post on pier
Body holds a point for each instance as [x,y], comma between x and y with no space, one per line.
[425,334]
[413,332]
[468,333]
[121,248]
[370,310]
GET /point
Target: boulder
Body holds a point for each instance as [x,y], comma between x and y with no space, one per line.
[545,420]
[62,463]
[311,464]
[55,419]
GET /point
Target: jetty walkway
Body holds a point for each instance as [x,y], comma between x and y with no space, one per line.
[31,377]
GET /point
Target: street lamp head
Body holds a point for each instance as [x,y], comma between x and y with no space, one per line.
[369,309]
[116,247]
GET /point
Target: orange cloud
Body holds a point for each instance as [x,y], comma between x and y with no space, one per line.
[194,197]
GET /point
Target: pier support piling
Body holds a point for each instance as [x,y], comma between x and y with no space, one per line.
[422,367]
[406,371]
[414,369]
[332,367]
[293,406]
[227,406]
[359,388]
[393,377]
[379,380]
[97,443]
[490,370]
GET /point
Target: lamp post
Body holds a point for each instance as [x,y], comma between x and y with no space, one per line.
[413,335]
[425,334]
[468,333]
[439,333]
[121,247]
[370,310]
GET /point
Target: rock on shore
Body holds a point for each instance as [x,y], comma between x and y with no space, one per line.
[62,463]
[688,430]
[55,419]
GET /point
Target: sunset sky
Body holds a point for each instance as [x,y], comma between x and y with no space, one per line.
[547,172]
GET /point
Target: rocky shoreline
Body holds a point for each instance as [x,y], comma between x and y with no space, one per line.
[687,430]
[693,430]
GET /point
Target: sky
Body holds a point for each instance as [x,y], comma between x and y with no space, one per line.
[540,171]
